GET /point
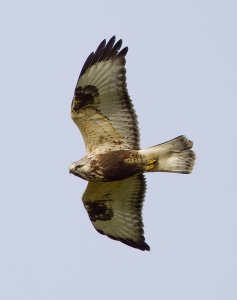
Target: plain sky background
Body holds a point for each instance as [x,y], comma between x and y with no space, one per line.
[182,77]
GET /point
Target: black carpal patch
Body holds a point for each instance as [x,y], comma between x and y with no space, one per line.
[84,96]
[99,210]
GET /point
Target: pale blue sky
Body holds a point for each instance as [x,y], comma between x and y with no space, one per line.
[182,73]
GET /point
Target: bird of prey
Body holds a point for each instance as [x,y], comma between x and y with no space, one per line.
[114,164]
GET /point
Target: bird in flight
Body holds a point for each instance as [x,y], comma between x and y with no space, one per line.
[114,164]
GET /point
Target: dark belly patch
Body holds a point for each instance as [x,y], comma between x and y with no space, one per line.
[118,165]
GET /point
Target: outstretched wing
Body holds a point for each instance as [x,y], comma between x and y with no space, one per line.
[115,209]
[101,106]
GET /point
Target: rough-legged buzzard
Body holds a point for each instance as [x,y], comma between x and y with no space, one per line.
[114,163]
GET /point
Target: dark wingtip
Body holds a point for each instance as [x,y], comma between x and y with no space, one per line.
[123,52]
[105,51]
[112,39]
[142,245]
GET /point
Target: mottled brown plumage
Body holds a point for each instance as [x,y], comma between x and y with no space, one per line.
[114,163]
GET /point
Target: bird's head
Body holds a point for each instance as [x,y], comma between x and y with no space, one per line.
[79,168]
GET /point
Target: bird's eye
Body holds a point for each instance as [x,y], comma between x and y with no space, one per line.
[77,167]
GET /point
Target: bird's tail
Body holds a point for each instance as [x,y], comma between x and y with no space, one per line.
[173,156]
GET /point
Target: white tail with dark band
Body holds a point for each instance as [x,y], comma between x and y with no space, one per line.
[173,156]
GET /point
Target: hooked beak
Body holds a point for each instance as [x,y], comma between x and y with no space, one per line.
[71,169]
